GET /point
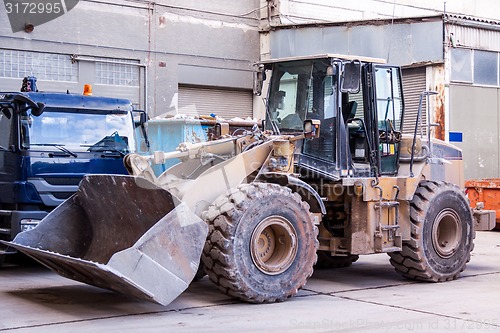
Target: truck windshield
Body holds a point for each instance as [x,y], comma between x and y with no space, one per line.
[78,132]
[300,90]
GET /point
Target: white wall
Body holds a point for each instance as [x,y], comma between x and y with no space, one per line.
[302,11]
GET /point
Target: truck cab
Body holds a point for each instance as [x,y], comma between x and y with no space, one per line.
[358,102]
[48,142]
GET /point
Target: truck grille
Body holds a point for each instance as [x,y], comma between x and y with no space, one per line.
[5,224]
[63,180]
[62,195]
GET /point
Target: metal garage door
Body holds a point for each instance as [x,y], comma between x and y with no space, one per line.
[414,83]
[224,103]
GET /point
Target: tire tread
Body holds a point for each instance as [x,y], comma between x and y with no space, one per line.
[411,262]
[217,254]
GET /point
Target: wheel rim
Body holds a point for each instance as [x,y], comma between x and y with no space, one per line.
[273,245]
[446,233]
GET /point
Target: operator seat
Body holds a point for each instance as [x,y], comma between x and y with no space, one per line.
[292,121]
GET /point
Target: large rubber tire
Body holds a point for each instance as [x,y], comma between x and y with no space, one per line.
[326,260]
[262,243]
[442,234]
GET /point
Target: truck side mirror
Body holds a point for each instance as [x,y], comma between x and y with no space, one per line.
[36,107]
[311,128]
[37,111]
[351,77]
[143,118]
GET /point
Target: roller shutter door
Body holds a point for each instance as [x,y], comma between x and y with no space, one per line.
[224,103]
[414,83]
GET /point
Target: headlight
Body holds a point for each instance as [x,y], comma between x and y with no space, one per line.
[28,224]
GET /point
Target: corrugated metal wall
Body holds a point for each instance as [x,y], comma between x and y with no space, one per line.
[471,37]
[414,83]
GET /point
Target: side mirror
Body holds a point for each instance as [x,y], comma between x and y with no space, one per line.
[143,118]
[36,107]
[351,77]
[311,128]
[144,146]
[37,111]
[259,76]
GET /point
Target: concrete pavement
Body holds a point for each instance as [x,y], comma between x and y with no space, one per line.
[369,296]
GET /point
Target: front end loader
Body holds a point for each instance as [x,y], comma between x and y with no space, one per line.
[331,177]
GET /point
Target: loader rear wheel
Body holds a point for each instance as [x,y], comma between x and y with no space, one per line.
[441,234]
[262,243]
[326,260]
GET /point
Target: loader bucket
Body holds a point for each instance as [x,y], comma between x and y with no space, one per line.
[120,233]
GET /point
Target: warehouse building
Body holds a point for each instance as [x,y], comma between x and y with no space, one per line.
[456,56]
[192,57]
[166,56]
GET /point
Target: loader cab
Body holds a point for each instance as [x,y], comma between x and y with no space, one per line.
[359,105]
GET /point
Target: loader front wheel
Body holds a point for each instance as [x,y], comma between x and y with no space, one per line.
[441,234]
[262,243]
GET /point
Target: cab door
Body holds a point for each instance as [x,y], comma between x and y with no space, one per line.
[389,108]
[10,160]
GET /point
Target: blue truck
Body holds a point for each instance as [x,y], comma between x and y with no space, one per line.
[49,141]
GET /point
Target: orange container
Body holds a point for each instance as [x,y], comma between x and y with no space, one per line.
[486,191]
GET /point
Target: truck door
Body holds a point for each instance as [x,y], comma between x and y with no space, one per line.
[7,142]
[389,108]
[327,155]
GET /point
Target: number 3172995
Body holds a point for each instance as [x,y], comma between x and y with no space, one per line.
[33,7]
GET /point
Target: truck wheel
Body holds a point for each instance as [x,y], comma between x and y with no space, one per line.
[326,260]
[441,234]
[262,243]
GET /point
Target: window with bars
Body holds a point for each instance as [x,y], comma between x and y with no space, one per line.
[45,66]
[118,72]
